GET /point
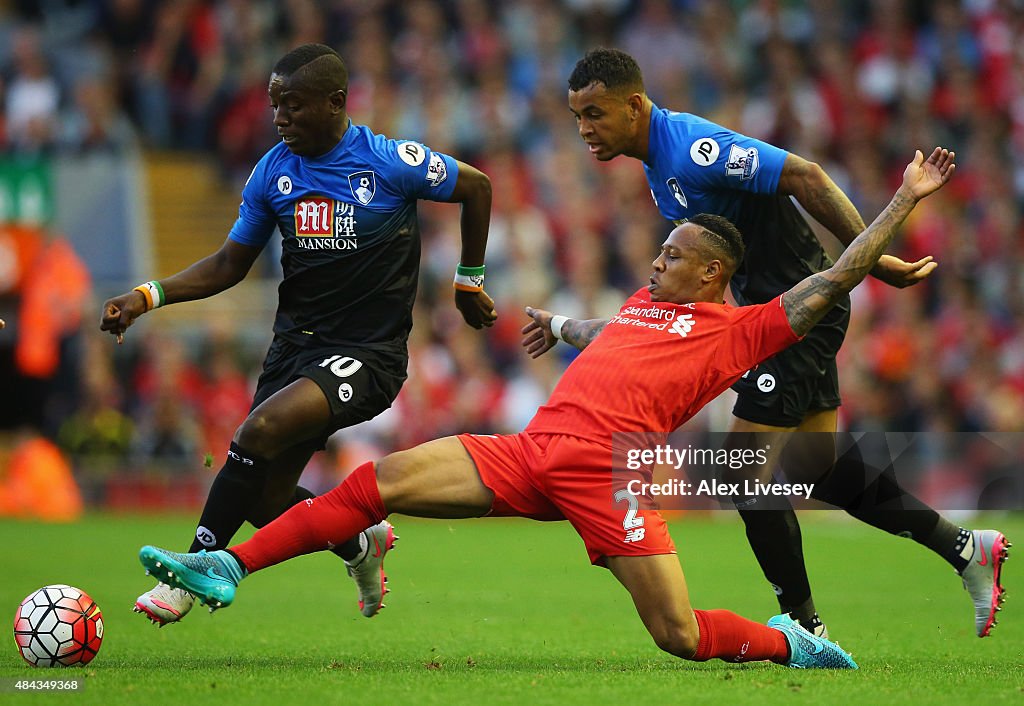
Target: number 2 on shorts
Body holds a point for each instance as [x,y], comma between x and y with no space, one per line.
[630,521]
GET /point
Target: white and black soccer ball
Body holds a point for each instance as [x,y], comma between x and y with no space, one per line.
[58,626]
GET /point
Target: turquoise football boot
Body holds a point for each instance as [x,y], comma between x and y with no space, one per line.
[210,576]
[807,650]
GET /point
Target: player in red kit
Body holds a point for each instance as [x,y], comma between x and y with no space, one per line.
[672,347]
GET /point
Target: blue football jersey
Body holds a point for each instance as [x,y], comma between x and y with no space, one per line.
[351,242]
[695,166]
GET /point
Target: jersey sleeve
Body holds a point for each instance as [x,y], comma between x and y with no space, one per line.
[256,219]
[755,333]
[421,173]
[718,158]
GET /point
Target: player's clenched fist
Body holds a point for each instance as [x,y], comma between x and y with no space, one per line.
[477,308]
[119,313]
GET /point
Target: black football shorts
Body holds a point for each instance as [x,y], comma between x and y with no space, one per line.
[802,379]
[359,383]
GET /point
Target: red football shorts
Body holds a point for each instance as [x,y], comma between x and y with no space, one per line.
[555,477]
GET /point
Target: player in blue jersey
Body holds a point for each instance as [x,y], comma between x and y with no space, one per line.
[344,201]
[695,166]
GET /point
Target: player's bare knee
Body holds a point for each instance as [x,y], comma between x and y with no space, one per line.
[677,638]
[390,475]
[397,480]
[257,436]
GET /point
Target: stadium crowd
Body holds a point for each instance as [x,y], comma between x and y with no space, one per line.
[848,84]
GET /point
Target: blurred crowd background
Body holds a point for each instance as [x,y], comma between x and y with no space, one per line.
[137,84]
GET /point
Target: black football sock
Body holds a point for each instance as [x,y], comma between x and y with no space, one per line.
[774,535]
[888,507]
[876,498]
[813,624]
[952,543]
[806,614]
[236,489]
[919,522]
[347,550]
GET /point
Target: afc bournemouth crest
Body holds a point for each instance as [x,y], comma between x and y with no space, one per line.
[677,191]
[363,185]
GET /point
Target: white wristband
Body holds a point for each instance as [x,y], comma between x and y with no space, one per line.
[154,294]
[556,325]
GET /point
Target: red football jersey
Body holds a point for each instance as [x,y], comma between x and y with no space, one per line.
[656,364]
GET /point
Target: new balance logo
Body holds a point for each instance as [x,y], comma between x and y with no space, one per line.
[682,325]
[635,535]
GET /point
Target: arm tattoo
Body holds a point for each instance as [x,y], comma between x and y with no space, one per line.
[806,303]
[820,197]
[582,333]
[832,209]
[811,299]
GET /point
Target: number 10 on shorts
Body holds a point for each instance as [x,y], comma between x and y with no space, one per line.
[633,525]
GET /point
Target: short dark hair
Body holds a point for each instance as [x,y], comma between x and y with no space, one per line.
[722,237]
[321,67]
[614,68]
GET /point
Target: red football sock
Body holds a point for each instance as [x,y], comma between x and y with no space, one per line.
[732,638]
[318,523]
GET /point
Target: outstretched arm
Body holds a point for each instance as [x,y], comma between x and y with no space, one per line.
[808,183]
[538,337]
[820,197]
[204,278]
[473,191]
[811,299]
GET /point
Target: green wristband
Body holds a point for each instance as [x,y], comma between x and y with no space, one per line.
[159,288]
[470,271]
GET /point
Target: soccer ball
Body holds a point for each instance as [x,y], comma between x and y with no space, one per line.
[58,626]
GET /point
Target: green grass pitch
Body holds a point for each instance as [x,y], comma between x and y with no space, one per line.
[510,612]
